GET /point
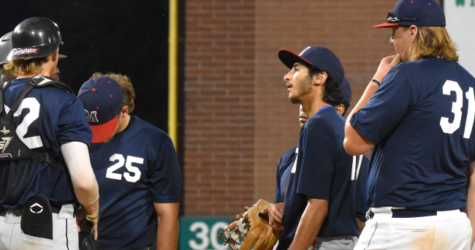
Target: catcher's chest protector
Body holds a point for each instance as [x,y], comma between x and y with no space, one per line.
[11,146]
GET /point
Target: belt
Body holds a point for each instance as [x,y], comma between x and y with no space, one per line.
[408,213]
[55,208]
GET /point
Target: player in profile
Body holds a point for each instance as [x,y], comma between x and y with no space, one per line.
[320,200]
[45,164]
[288,159]
[136,167]
[417,117]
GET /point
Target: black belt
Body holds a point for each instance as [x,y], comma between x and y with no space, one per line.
[55,208]
[408,213]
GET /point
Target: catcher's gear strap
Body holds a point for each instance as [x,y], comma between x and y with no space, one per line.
[12,148]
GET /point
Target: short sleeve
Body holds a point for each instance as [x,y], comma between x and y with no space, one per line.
[72,123]
[317,167]
[165,178]
[385,110]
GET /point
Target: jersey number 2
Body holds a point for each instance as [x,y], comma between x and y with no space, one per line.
[451,127]
[128,165]
[34,106]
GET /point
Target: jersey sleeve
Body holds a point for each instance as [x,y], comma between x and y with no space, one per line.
[72,124]
[278,197]
[317,167]
[165,178]
[385,109]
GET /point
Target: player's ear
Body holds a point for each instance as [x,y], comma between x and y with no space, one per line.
[413,30]
[320,78]
[55,55]
[125,110]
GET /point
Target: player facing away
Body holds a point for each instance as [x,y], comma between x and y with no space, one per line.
[419,123]
[320,200]
[51,168]
[136,167]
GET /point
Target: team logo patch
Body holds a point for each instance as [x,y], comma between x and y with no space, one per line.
[23,51]
[91,116]
[36,208]
[5,131]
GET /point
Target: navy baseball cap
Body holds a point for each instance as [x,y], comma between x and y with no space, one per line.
[316,56]
[103,99]
[422,13]
[347,91]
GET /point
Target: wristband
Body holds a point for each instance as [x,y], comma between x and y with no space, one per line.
[376,81]
[88,216]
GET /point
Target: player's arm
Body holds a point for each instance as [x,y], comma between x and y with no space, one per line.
[355,143]
[76,155]
[471,199]
[168,227]
[310,224]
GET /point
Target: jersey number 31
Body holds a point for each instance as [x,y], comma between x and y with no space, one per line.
[451,127]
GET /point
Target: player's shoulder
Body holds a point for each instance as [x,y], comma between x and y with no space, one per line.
[150,131]
[288,154]
[327,117]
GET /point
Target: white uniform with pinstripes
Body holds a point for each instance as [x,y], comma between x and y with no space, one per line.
[65,233]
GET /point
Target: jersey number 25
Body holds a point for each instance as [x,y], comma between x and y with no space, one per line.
[134,177]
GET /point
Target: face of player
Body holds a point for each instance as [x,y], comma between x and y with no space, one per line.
[400,39]
[302,117]
[298,82]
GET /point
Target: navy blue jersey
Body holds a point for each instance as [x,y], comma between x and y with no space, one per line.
[46,119]
[284,167]
[135,169]
[323,171]
[360,171]
[421,121]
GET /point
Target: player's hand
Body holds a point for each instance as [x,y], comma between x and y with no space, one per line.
[275,215]
[385,66]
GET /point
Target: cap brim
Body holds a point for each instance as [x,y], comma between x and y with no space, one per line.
[386,25]
[60,56]
[103,132]
[289,58]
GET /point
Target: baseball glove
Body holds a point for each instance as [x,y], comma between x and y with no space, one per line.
[251,231]
[86,238]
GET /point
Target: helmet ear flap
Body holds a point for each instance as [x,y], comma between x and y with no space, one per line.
[35,37]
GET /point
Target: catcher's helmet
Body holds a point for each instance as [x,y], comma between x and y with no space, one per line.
[5,47]
[35,37]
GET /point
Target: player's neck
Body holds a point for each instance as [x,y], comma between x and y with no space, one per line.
[312,108]
[123,123]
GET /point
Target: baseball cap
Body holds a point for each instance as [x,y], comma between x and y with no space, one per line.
[316,56]
[102,98]
[422,13]
[347,92]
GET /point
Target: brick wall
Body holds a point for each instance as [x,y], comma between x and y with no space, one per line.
[219,119]
[238,120]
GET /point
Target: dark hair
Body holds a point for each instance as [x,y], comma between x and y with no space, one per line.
[333,93]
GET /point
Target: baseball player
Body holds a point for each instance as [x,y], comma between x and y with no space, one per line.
[136,167]
[417,116]
[44,164]
[5,48]
[287,160]
[320,199]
